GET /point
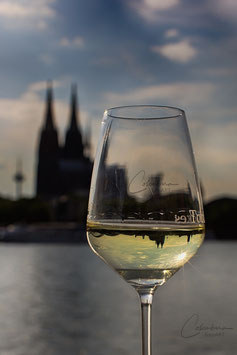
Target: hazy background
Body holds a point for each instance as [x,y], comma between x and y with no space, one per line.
[174,52]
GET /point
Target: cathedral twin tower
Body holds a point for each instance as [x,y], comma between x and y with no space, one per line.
[62,170]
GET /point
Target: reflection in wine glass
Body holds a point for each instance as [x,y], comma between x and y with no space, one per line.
[145,215]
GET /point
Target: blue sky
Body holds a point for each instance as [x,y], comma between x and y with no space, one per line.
[175,52]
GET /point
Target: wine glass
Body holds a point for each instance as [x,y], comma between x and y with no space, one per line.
[145,215]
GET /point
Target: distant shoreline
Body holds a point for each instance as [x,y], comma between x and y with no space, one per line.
[44,233]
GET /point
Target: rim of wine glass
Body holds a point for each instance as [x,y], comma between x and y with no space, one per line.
[180,114]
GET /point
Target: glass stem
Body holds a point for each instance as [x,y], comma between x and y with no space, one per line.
[146,303]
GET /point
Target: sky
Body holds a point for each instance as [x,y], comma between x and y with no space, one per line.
[120,52]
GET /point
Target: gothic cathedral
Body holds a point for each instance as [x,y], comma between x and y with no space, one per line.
[66,169]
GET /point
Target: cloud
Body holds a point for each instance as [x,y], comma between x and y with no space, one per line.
[181,52]
[76,42]
[46,59]
[216,146]
[171,33]
[25,114]
[224,9]
[217,72]
[149,9]
[42,85]
[26,12]
[159,4]
[180,93]
[213,134]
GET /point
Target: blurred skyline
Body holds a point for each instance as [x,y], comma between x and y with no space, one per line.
[178,53]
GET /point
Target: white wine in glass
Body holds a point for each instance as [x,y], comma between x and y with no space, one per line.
[145,215]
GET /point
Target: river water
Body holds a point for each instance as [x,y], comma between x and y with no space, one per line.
[63,300]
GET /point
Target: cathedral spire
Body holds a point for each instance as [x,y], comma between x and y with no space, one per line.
[49,119]
[74,116]
[49,151]
[73,148]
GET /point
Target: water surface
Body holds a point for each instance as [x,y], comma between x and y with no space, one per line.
[63,300]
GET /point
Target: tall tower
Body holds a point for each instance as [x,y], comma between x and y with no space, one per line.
[73,149]
[48,183]
[18,178]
